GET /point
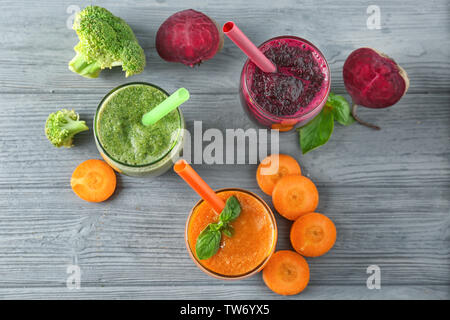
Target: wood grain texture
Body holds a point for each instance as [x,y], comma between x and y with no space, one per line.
[411,150]
[38,45]
[232,292]
[135,238]
[387,191]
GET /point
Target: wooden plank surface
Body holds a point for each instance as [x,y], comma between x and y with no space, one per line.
[36,51]
[387,191]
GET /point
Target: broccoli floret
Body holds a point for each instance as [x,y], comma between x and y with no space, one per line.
[106,41]
[62,125]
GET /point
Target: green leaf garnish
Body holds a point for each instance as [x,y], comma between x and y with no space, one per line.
[317,132]
[208,242]
[228,231]
[231,211]
[341,109]
[215,226]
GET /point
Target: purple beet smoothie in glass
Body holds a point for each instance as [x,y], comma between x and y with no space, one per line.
[295,93]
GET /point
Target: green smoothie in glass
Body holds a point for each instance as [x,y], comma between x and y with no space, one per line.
[125,143]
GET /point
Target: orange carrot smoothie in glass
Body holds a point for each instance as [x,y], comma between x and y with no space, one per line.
[250,247]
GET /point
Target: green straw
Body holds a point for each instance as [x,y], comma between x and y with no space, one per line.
[171,103]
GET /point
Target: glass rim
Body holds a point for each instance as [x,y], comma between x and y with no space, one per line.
[286,117]
[260,265]
[100,143]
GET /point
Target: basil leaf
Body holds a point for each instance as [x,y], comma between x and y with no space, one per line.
[340,108]
[318,131]
[228,231]
[231,211]
[208,243]
[215,226]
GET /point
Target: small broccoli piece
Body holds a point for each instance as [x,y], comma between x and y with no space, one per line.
[106,41]
[62,125]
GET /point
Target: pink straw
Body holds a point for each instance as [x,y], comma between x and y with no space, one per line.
[244,43]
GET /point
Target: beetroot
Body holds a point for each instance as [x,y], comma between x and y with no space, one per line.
[189,37]
[373,80]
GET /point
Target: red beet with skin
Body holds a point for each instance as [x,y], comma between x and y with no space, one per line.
[373,80]
[189,37]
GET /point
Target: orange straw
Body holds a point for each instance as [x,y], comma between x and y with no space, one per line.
[192,178]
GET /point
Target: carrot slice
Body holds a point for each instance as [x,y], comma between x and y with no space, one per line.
[93,180]
[286,273]
[313,234]
[294,196]
[282,127]
[273,168]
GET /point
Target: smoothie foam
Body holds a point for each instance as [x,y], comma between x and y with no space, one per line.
[124,137]
[300,83]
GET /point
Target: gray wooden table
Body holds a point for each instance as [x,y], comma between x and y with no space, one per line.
[387,191]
